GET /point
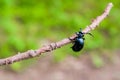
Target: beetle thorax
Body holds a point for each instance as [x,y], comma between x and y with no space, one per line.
[80,35]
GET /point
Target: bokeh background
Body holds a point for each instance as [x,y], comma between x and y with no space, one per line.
[30,24]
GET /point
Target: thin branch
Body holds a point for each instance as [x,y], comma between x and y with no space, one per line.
[97,21]
[33,53]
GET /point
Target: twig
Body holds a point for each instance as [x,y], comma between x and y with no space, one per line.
[53,46]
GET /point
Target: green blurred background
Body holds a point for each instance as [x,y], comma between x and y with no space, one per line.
[30,24]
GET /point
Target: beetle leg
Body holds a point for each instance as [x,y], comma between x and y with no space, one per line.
[71,39]
[77,33]
[83,38]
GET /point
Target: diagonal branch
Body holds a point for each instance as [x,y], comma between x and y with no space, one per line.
[33,53]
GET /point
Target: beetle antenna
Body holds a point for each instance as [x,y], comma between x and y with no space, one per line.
[90,34]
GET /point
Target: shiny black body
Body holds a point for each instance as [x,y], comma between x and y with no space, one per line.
[78,42]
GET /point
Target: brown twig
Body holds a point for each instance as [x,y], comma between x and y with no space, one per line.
[53,46]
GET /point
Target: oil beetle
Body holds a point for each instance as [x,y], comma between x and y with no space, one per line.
[79,41]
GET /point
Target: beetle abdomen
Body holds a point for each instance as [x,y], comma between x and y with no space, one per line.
[78,44]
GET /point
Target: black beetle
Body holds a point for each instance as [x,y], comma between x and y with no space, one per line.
[78,42]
